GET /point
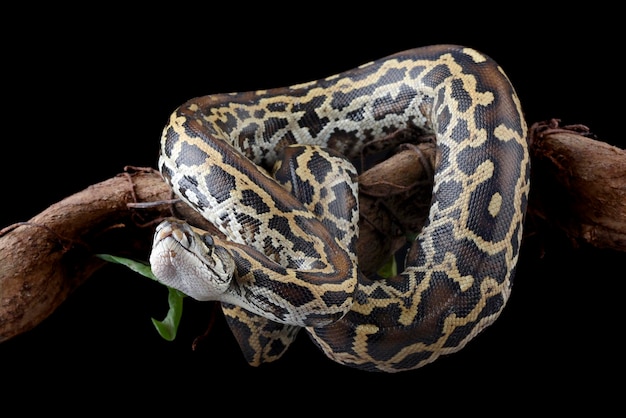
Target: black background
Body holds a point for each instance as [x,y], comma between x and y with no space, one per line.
[88,93]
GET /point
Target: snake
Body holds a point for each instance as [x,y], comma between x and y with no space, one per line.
[272,171]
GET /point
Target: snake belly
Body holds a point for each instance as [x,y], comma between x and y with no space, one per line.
[217,152]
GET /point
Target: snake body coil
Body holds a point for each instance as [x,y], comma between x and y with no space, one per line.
[269,169]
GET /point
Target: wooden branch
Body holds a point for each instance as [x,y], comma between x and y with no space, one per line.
[46,258]
[578,187]
[394,201]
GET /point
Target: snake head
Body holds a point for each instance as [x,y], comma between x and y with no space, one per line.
[189,260]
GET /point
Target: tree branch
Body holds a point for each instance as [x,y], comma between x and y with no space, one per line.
[578,188]
[578,185]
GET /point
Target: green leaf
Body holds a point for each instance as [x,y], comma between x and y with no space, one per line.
[389,269]
[169,326]
[136,266]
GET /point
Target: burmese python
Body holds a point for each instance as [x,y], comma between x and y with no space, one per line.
[289,260]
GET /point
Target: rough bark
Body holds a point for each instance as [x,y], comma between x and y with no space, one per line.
[578,185]
[46,258]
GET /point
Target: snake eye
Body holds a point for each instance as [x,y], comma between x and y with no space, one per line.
[208,240]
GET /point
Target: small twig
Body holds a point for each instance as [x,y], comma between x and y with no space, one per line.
[150,205]
[539,130]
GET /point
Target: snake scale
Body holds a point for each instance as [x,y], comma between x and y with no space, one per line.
[271,170]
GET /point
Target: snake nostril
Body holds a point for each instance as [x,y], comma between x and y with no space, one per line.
[180,236]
